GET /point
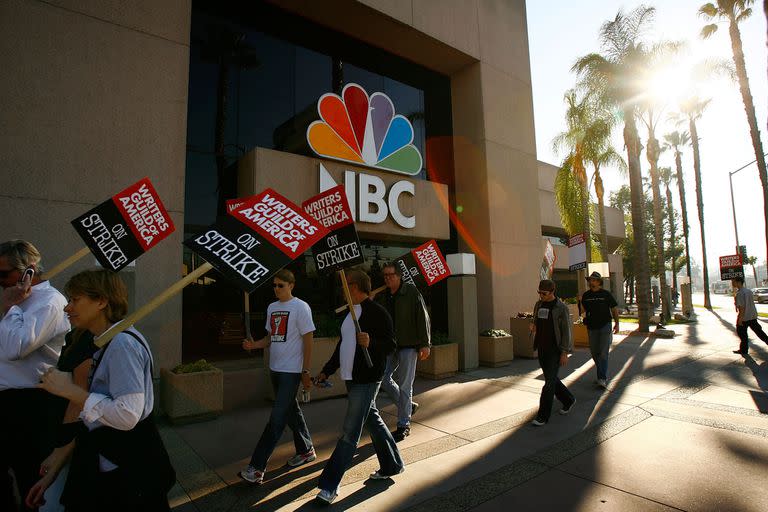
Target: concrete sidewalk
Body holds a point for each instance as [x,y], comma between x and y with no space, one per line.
[682,427]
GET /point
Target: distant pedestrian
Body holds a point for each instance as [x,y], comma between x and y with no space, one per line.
[362,386]
[551,326]
[599,306]
[412,334]
[746,316]
[289,335]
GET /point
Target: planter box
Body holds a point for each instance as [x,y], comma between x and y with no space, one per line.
[190,397]
[322,350]
[443,362]
[580,335]
[496,351]
[573,310]
[523,341]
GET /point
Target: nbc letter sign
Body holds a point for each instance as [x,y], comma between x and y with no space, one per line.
[103,229]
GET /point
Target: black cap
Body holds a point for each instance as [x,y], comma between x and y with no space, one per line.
[594,275]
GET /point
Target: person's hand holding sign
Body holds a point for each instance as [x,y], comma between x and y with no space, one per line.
[249,344]
[363,339]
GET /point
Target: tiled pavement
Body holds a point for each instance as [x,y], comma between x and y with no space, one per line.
[682,427]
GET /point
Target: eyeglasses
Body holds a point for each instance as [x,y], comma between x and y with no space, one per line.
[389,274]
[544,292]
[277,285]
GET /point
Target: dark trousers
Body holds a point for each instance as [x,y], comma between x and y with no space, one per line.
[27,433]
[550,365]
[741,330]
[110,493]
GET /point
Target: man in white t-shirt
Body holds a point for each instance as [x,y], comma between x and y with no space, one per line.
[746,316]
[289,338]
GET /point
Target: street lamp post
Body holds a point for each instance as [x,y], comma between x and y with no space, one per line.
[733,203]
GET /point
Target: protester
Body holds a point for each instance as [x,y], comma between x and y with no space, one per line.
[289,336]
[599,306]
[119,462]
[746,316]
[32,332]
[551,327]
[409,315]
[362,384]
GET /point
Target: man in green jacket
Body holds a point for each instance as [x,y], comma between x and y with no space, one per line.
[412,334]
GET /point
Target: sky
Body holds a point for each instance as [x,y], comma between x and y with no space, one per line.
[560,31]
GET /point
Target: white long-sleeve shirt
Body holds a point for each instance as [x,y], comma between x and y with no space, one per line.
[31,337]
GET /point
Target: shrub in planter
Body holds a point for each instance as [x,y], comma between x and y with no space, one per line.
[495,347]
[192,391]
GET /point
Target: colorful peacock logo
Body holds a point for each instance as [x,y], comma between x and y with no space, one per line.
[364,130]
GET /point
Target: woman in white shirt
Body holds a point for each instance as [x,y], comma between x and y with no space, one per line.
[119,461]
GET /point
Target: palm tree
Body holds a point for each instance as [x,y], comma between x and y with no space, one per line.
[665,177]
[675,140]
[751,260]
[693,110]
[734,12]
[608,156]
[611,76]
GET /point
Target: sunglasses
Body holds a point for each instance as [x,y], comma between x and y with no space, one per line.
[278,285]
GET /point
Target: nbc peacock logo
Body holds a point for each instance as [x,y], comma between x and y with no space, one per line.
[364,130]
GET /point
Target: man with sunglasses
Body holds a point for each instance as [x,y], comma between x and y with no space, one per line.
[32,329]
[409,315]
[551,327]
[290,336]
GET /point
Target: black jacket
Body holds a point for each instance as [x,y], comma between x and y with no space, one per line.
[374,320]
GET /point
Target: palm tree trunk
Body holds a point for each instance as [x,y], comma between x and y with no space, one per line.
[700,206]
[652,154]
[632,142]
[754,272]
[684,209]
[672,233]
[749,108]
[600,193]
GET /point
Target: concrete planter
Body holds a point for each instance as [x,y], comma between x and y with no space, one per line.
[580,336]
[443,362]
[191,397]
[322,350]
[495,352]
[523,341]
[573,310]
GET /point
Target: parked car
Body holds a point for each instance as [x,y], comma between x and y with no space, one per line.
[761,295]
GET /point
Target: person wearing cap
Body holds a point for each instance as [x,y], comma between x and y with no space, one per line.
[599,306]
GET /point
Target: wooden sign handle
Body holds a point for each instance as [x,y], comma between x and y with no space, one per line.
[351,307]
[247,314]
[373,293]
[66,263]
[151,305]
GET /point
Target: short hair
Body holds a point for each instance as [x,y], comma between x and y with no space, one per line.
[394,267]
[101,284]
[361,279]
[21,254]
[738,279]
[285,275]
[547,285]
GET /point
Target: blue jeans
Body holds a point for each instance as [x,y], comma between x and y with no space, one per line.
[401,391]
[599,345]
[285,411]
[361,411]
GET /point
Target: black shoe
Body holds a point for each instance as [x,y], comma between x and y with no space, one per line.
[414,408]
[740,352]
[401,433]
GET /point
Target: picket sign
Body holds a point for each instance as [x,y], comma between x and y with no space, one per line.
[373,294]
[67,263]
[147,308]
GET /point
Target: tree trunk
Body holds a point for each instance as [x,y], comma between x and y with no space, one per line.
[754,273]
[600,193]
[749,108]
[652,153]
[672,234]
[684,209]
[632,142]
[700,206]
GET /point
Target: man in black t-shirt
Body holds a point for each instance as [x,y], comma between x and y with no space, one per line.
[551,327]
[599,306]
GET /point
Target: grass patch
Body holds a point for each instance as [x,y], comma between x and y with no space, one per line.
[763,315]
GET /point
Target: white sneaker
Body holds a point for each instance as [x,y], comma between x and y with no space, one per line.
[602,383]
[326,497]
[538,423]
[302,458]
[251,474]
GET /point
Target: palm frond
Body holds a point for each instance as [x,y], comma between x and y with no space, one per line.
[708,30]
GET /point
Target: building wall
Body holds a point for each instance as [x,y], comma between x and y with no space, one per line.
[94,98]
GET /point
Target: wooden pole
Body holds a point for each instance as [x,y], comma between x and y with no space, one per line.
[152,304]
[247,314]
[373,294]
[66,263]
[351,307]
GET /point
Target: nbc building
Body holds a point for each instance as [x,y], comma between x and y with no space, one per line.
[421,109]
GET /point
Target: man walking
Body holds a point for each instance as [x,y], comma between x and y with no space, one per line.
[32,329]
[362,386]
[599,306]
[746,316]
[551,327]
[412,334]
